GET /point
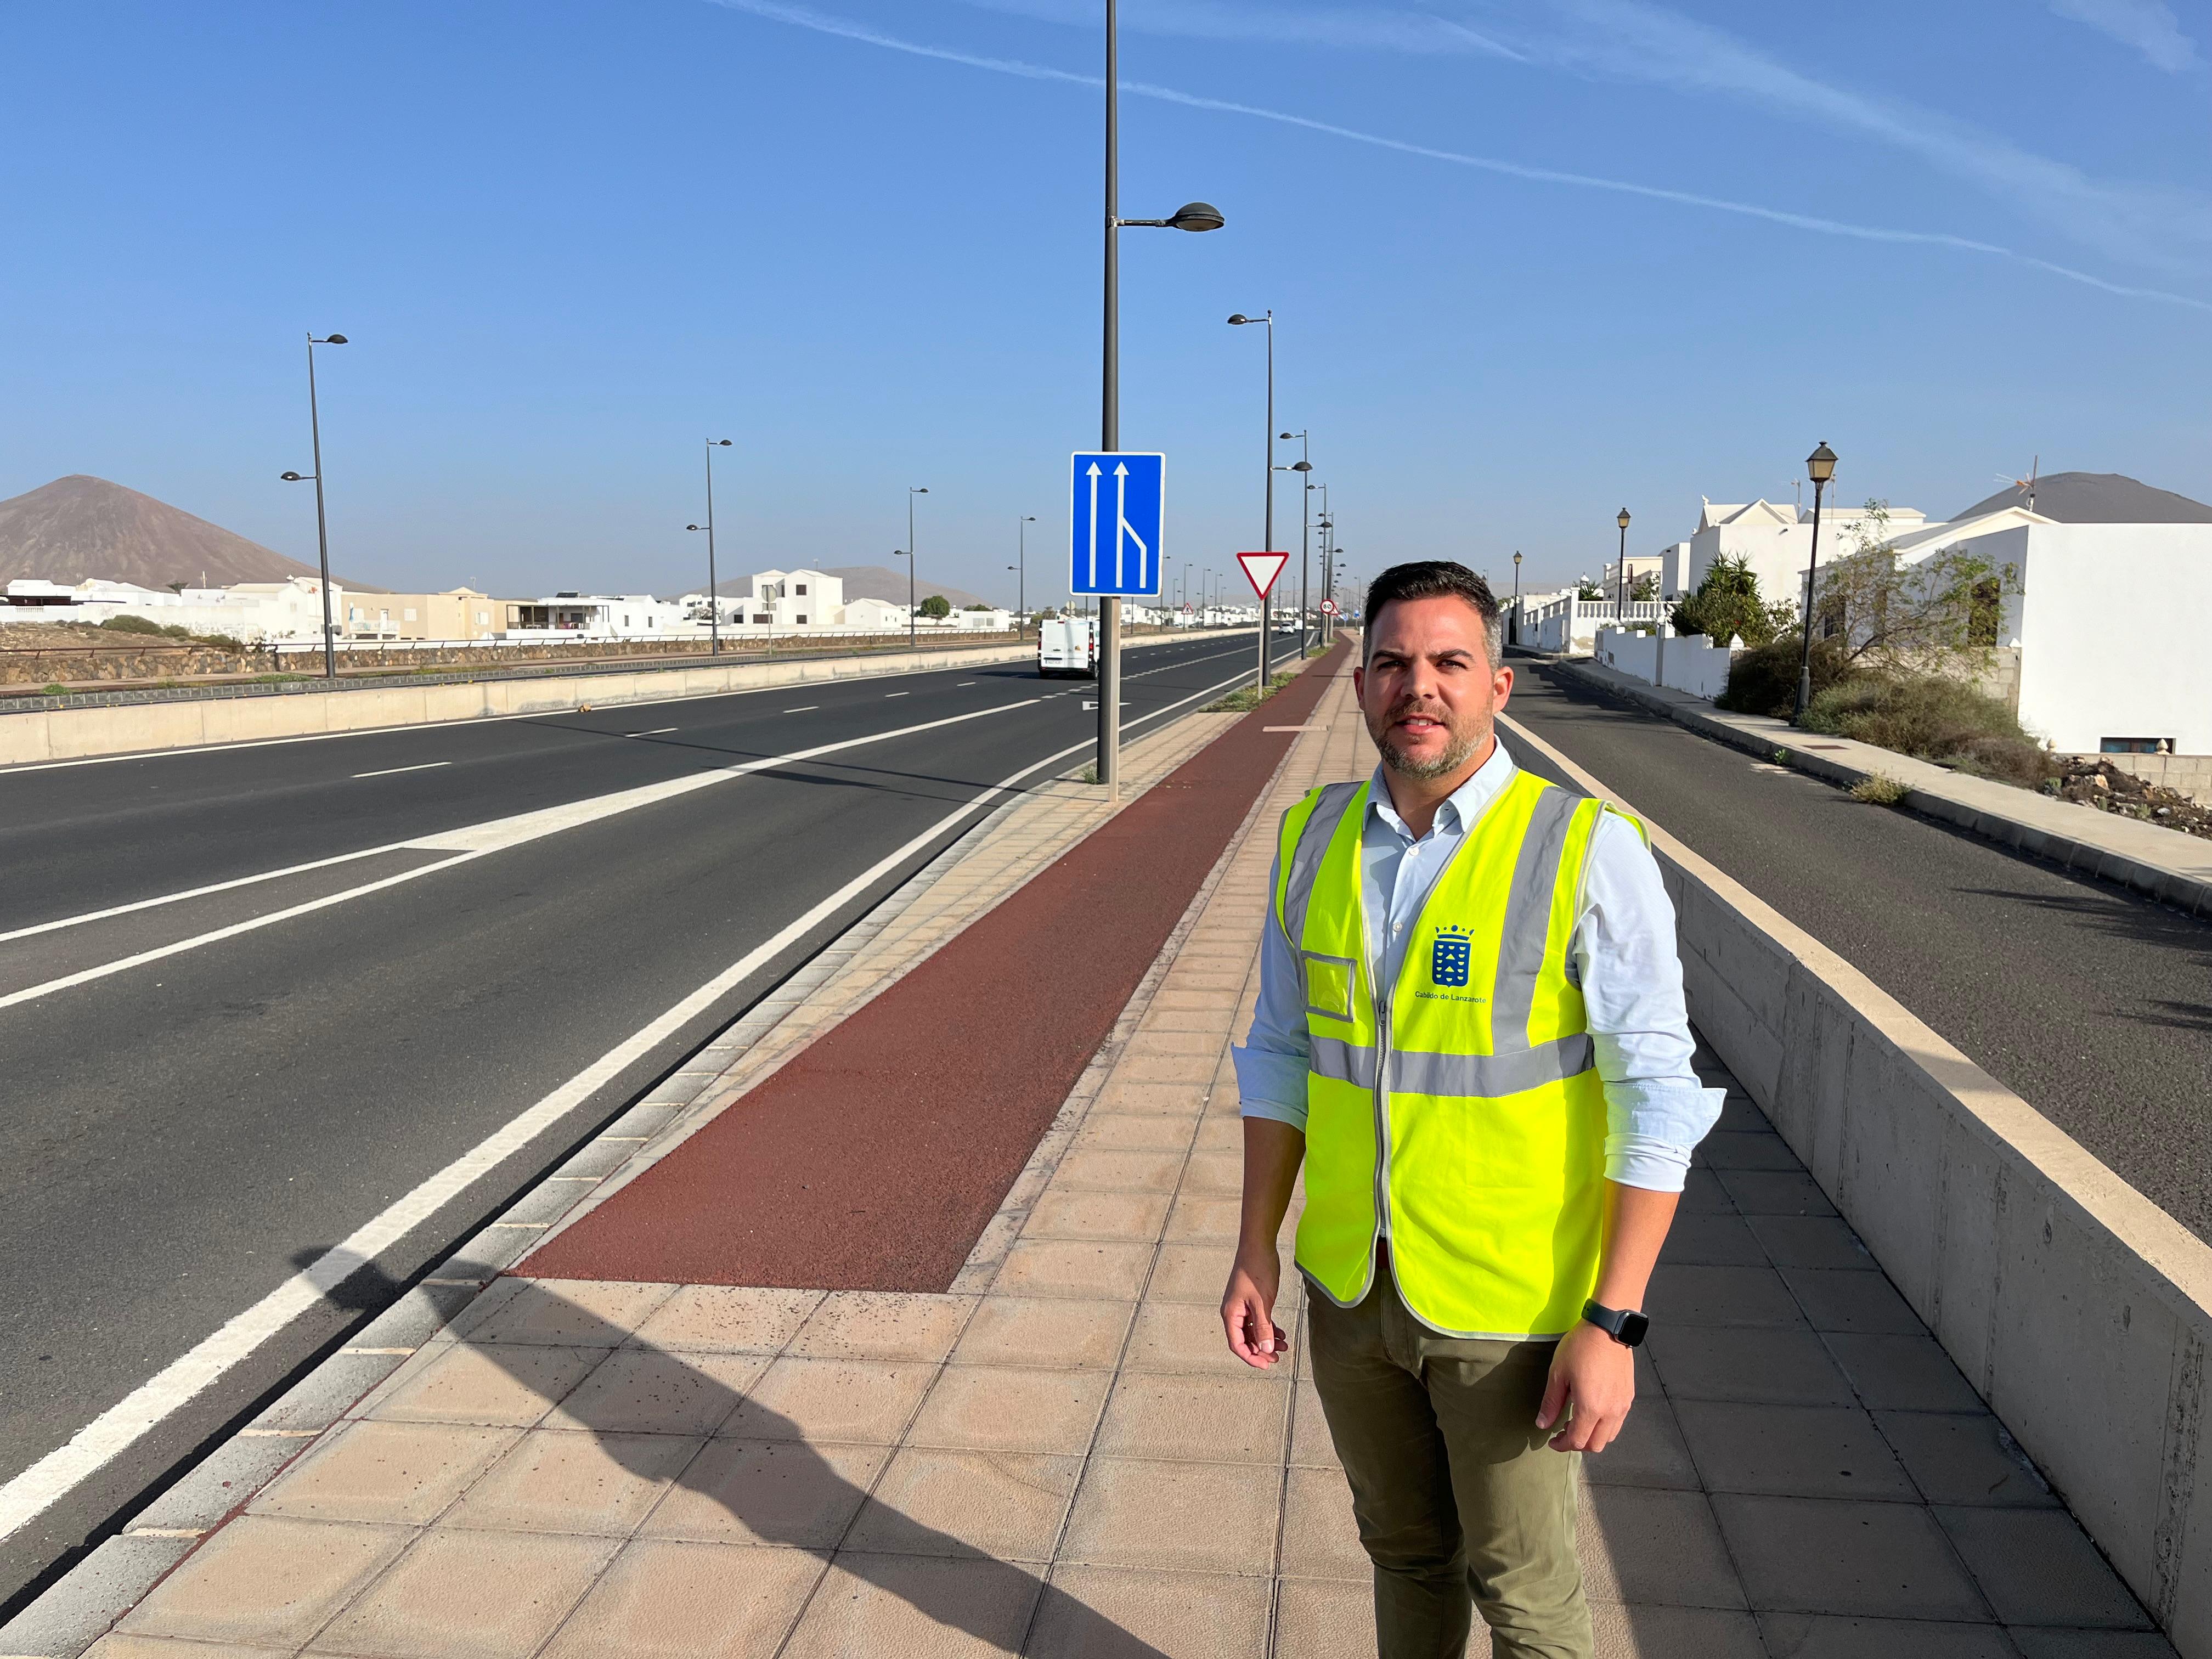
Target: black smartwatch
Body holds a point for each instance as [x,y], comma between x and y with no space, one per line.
[1623,1326]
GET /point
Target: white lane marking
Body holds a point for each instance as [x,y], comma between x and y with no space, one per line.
[804,708]
[122,1425]
[197,892]
[31,993]
[961,683]
[657,732]
[393,771]
[896,693]
[473,840]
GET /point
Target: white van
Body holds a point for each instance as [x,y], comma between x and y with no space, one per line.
[1068,645]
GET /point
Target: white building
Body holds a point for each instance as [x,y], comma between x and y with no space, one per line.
[791,598]
[598,617]
[2110,621]
[1777,541]
[874,616]
[253,613]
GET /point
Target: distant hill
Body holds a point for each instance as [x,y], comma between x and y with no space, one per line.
[872,581]
[2097,498]
[81,526]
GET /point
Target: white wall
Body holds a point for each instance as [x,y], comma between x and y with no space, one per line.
[1692,663]
[2113,621]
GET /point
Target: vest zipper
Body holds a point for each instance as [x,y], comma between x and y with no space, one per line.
[1380,1001]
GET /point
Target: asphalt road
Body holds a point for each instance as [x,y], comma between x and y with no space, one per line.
[187,1128]
[2094,1005]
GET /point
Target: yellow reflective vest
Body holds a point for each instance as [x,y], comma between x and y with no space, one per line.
[1465,1104]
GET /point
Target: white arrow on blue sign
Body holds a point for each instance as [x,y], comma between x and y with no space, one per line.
[1116,505]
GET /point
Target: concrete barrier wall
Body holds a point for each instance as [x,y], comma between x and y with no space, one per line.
[77,733]
[2078,1309]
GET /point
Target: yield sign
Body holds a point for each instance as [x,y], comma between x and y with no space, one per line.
[1260,569]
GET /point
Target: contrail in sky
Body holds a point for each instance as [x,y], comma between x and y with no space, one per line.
[807,17]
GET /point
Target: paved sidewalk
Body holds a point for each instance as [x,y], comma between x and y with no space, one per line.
[1058,1456]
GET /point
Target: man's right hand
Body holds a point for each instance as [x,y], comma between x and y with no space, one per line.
[1247,1309]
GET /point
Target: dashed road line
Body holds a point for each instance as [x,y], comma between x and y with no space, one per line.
[394,771]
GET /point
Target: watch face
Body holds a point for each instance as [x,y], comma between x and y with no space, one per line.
[1632,1328]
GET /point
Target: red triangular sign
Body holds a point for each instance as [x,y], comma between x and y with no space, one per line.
[1260,569]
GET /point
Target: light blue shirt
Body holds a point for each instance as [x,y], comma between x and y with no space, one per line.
[1622,954]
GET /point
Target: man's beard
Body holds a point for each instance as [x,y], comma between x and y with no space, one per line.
[1456,754]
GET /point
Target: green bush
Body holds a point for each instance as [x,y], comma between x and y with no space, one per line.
[134,625]
[1764,681]
[1727,605]
[1933,719]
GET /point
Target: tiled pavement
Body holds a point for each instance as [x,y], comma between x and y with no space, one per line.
[1061,1459]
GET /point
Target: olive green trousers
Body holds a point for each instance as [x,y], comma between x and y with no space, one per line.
[1460,1503]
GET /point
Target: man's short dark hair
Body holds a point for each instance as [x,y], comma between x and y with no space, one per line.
[1432,579]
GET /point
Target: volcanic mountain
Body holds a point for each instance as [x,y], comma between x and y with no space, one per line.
[81,526]
[2097,498]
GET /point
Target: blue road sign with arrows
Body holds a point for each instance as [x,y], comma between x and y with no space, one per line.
[1116,505]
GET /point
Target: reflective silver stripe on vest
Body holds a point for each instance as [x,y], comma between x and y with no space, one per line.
[1347,1062]
[1528,922]
[1305,858]
[1486,1077]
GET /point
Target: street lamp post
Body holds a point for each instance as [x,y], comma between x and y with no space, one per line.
[1620,573]
[713,602]
[1516,596]
[1192,216]
[907,553]
[322,526]
[1303,466]
[1820,467]
[1022,574]
[1268,513]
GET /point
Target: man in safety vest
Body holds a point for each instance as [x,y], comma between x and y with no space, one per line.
[1471,1033]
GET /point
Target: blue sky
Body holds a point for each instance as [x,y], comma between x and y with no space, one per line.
[1530,263]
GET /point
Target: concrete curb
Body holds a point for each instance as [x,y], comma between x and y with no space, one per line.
[2081,838]
[2079,1309]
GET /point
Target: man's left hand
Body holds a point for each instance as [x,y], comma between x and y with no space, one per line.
[1593,1383]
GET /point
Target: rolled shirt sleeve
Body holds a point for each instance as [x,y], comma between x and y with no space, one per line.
[1271,1065]
[1656,1109]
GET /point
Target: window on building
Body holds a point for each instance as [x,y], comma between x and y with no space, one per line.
[801,621]
[760,619]
[483,619]
[407,613]
[2131,745]
[800,591]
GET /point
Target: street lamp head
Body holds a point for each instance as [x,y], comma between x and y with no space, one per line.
[1238,320]
[920,489]
[1028,518]
[718,443]
[1623,519]
[1197,215]
[1301,466]
[292,477]
[1820,464]
[327,339]
[690,526]
[1291,434]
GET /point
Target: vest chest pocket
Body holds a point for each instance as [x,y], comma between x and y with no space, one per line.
[1329,984]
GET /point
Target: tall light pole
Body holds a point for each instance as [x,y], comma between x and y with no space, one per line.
[713,601]
[1820,467]
[1191,216]
[1620,572]
[1022,577]
[1303,466]
[1267,512]
[322,526]
[1516,596]
[907,553]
